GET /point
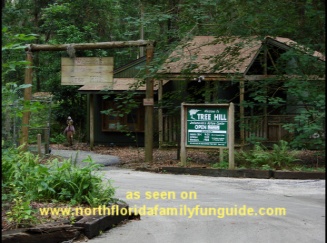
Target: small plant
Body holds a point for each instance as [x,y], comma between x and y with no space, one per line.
[74,161]
[266,167]
[282,156]
[215,165]
[220,165]
[21,212]
[257,157]
[58,139]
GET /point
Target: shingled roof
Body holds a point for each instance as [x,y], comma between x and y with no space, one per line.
[224,55]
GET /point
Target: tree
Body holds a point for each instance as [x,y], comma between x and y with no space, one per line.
[166,22]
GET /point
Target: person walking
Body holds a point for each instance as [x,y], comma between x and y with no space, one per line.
[69,131]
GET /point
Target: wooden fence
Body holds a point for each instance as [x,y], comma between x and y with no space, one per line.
[269,128]
[171,130]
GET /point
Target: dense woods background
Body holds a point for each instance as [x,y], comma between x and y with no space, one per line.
[165,21]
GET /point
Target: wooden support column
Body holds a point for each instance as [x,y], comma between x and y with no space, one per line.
[207,92]
[39,141]
[215,100]
[231,136]
[183,153]
[265,121]
[215,92]
[148,131]
[47,139]
[27,99]
[160,115]
[242,132]
[91,104]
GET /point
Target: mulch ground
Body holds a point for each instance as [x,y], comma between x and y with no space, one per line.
[133,157]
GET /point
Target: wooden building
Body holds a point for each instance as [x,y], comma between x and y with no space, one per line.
[223,67]
[115,128]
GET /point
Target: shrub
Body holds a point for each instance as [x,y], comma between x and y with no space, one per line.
[62,181]
[21,213]
[58,139]
[220,165]
[282,156]
[260,157]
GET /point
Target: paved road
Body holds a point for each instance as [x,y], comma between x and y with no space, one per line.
[79,156]
[304,201]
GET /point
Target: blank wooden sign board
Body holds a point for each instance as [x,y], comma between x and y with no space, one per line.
[207,126]
[87,70]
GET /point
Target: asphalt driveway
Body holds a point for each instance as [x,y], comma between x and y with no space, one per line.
[79,156]
[303,201]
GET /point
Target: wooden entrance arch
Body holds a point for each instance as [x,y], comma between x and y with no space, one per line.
[89,46]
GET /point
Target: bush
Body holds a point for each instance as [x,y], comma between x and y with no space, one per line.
[58,139]
[62,181]
[260,157]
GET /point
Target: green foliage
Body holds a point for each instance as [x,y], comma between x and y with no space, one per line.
[62,181]
[221,165]
[306,169]
[21,212]
[280,157]
[308,125]
[12,60]
[169,22]
[58,139]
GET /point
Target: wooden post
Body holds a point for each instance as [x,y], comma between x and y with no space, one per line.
[265,121]
[160,115]
[215,92]
[231,136]
[242,131]
[216,100]
[183,135]
[207,92]
[46,139]
[148,131]
[27,99]
[221,155]
[39,144]
[91,121]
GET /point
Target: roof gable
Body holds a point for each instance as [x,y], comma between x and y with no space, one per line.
[130,70]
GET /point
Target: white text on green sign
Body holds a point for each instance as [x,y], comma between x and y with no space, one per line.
[207,126]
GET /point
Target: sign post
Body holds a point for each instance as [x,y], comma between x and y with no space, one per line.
[207,126]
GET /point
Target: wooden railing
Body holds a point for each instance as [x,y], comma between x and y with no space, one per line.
[171,130]
[269,128]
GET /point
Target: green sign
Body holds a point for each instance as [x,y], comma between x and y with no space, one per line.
[207,126]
